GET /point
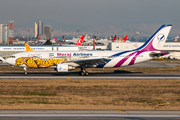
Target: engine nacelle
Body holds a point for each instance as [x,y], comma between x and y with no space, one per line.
[64,68]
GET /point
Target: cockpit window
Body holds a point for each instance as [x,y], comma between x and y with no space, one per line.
[12,56]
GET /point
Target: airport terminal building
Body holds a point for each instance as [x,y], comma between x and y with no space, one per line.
[173,47]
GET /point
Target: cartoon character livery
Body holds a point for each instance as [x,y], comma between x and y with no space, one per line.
[68,60]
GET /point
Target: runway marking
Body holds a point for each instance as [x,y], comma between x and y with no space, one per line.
[119,111]
[85,115]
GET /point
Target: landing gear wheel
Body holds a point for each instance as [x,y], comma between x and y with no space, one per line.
[86,73]
[82,73]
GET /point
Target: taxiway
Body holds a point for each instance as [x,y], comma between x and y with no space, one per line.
[87,115]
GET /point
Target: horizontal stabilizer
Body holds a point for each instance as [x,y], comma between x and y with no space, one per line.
[153,54]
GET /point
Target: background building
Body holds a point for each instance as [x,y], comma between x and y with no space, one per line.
[38,28]
[48,31]
[35,29]
[4,33]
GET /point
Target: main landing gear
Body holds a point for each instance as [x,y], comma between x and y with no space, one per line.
[83,71]
[25,70]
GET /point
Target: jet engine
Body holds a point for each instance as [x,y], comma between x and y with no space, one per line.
[64,68]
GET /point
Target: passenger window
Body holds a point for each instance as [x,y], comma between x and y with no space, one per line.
[12,56]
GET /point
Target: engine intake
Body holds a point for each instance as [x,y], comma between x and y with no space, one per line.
[64,68]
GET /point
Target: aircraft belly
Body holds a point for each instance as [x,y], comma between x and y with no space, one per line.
[113,62]
[21,65]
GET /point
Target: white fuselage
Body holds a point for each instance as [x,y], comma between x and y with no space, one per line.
[43,41]
[116,58]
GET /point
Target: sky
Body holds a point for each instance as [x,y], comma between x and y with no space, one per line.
[101,17]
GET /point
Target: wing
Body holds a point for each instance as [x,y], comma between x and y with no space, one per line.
[87,62]
[153,54]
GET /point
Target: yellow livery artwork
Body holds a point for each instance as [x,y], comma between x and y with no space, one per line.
[35,62]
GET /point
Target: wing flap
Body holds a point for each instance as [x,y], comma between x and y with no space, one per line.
[91,61]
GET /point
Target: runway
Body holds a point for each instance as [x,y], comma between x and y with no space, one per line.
[87,115]
[91,76]
[115,75]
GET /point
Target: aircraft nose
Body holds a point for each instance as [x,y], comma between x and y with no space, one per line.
[10,61]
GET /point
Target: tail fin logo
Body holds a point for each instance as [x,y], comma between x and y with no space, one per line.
[161,37]
[28,48]
[79,42]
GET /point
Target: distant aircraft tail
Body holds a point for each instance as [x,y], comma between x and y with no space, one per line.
[28,48]
[125,38]
[38,37]
[54,39]
[157,40]
[79,42]
[114,38]
[63,37]
[85,38]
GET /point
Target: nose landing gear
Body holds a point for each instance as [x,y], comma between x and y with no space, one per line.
[25,70]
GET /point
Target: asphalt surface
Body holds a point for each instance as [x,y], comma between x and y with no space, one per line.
[115,75]
[87,115]
[91,76]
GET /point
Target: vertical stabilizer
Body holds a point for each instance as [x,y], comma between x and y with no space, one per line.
[38,37]
[125,38]
[114,38]
[85,38]
[157,40]
[79,42]
[28,48]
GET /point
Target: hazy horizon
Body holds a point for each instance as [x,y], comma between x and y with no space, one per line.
[103,17]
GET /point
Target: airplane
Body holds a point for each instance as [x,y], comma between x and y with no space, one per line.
[79,43]
[105,42]
[43,41]
[70,60]
[125,39]
[74,40]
